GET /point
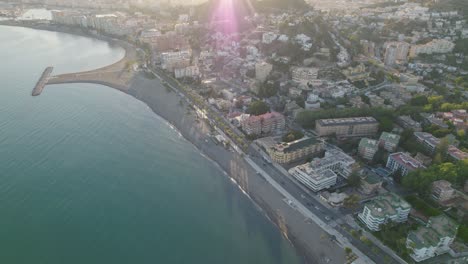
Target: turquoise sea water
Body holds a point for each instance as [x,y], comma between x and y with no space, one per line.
[91,175]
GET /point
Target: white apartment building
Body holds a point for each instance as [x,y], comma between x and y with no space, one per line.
[385,208]
[434,46]
[403,162]
[316,181]
[304,75]
[427,140]
[173,60]
[190,71]
[335,160]
[433,239]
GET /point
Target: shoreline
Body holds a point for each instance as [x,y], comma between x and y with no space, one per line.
[270,202]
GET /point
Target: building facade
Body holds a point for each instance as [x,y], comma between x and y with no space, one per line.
[427,140]
[389,141]
[347,127]
[312,179]
[264,124]
[284,153]
[385,208]
[367,148]
[337,161]
[403,162]
[433,239]
[442,190]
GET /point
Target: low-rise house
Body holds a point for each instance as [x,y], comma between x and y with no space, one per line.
[384,208]
[427,140]
[367,148]
[334,199]
[442,191]
[433,239]
[407,122]
[403,162]
[389,141]
[456,154]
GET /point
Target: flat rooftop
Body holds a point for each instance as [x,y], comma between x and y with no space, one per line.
[347,121]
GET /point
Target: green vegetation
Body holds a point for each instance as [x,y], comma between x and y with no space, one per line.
[463,233]
[423,207]
[292,135]
[258,108]
[352,201]
[385,116]
[354,180]
[421,180]
[267,89]
[394,236]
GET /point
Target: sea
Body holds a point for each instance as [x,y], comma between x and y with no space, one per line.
[89,174]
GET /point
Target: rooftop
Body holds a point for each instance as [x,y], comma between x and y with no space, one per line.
[386,205]
[406,160]
[297,144]
[437,227]
[442,184]
[347,121]
[389,137]
[457,153]
[368,143]
[428,137]
[331,156]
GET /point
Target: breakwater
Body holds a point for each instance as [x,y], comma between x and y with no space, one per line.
[41,83]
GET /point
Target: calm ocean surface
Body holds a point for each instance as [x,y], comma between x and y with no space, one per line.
[91,175]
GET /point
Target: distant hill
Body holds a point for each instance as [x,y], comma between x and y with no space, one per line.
[450,5]
[244,8]
[281,4]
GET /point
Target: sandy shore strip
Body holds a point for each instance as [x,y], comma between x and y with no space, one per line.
[309,239]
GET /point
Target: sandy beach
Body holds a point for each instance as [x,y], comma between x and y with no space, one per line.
[310,240]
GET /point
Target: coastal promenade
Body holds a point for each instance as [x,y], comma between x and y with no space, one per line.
[312,237]
[312,242]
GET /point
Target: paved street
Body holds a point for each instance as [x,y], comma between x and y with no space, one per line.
[329,215]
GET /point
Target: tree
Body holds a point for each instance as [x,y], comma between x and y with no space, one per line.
[354,180]
[267,89]
[292,135]
[352,201]
[348,250]
[258,108]
[441,150]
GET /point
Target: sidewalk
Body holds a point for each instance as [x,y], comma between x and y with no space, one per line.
[344,242]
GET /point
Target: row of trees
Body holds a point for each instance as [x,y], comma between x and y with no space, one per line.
[385,116]
[421,180]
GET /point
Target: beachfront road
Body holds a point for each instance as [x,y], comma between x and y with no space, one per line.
[331,216]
